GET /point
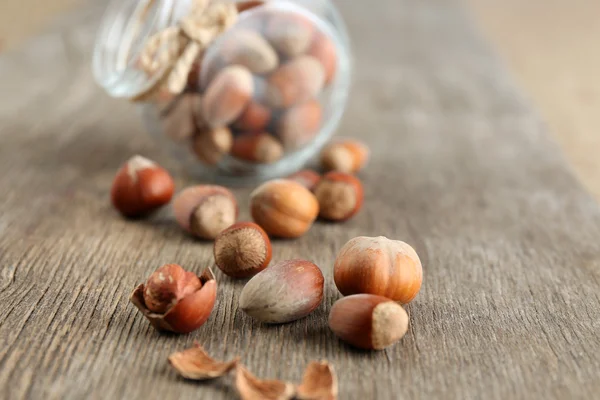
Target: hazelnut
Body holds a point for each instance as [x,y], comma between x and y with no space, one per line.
[257,147]
[184,302]
[177,119]
[295,82]
[290,33]
[380,266]
[249,49]
[242,250]
[340,196]
[345,155]
[284,292]
[227,96]
[367,321]
[140,187]
[300,124]
[255,117]
[247,5]
[211,145]
[323,49]
[167,285]
[205,210]
[307,178]
[283,208]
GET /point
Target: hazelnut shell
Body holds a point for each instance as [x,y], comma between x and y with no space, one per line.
[242,250]
[340,196]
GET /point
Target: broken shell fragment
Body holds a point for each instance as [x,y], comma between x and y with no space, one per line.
[319,382]
[194,363]
[252,388]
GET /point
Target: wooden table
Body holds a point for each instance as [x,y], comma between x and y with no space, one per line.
[462,169]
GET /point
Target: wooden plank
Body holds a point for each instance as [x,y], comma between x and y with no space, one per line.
[462,169]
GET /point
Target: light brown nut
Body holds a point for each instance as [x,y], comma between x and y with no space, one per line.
[255,117]
[345,155]
[283,208]
[195,363]
[177,119]
[300,124]
[186,314]
[284,292]
[242,250]
[307,178]
[257,147]
[367,321]
[249,49]
[379,266]
[140,187]
[295,82]
[323,49]
[319,382]
[227,96]
[340,196]
[290,33]
[211,145]
[251,388]
[205,210]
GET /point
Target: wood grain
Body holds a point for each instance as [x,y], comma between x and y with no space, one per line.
[462,169]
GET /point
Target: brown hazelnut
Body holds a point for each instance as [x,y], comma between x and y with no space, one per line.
[284,292]
[227,96]
[257,147]
[177,119]
[184,303]
[300,124]
[340,196]
[249,49]
[290,33]
[307,178]
[140,187]
[380,266]
[242,250]
[345,155]
[367,321]
[283,208]
[295,82]
[212,144]
[255,117]
[205,210]
[323,49]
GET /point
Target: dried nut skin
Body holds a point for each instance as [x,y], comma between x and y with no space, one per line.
[140,187]
[368,322]
[194,363]
[242,250]
[188,314]
[300,124]
[205,210]
[227,96]
[319,382]
[211,145]
[284,292]
[323,49]
[255,117]
[340,196]
[249,49]
[177,120]
[250,387]
[307,178]
[167,285]
[289,33]
[379,266]
[345,155]
[283,208]
[295,82]
[257,148]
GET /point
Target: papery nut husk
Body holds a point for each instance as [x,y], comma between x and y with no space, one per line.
[189,313]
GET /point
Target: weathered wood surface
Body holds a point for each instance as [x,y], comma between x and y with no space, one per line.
[462,169]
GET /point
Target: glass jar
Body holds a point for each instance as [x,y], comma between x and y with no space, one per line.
[248,92]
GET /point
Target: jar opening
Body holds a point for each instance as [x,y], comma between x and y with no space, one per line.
[125,28]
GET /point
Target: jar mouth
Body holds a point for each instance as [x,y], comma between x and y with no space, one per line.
[125,28]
